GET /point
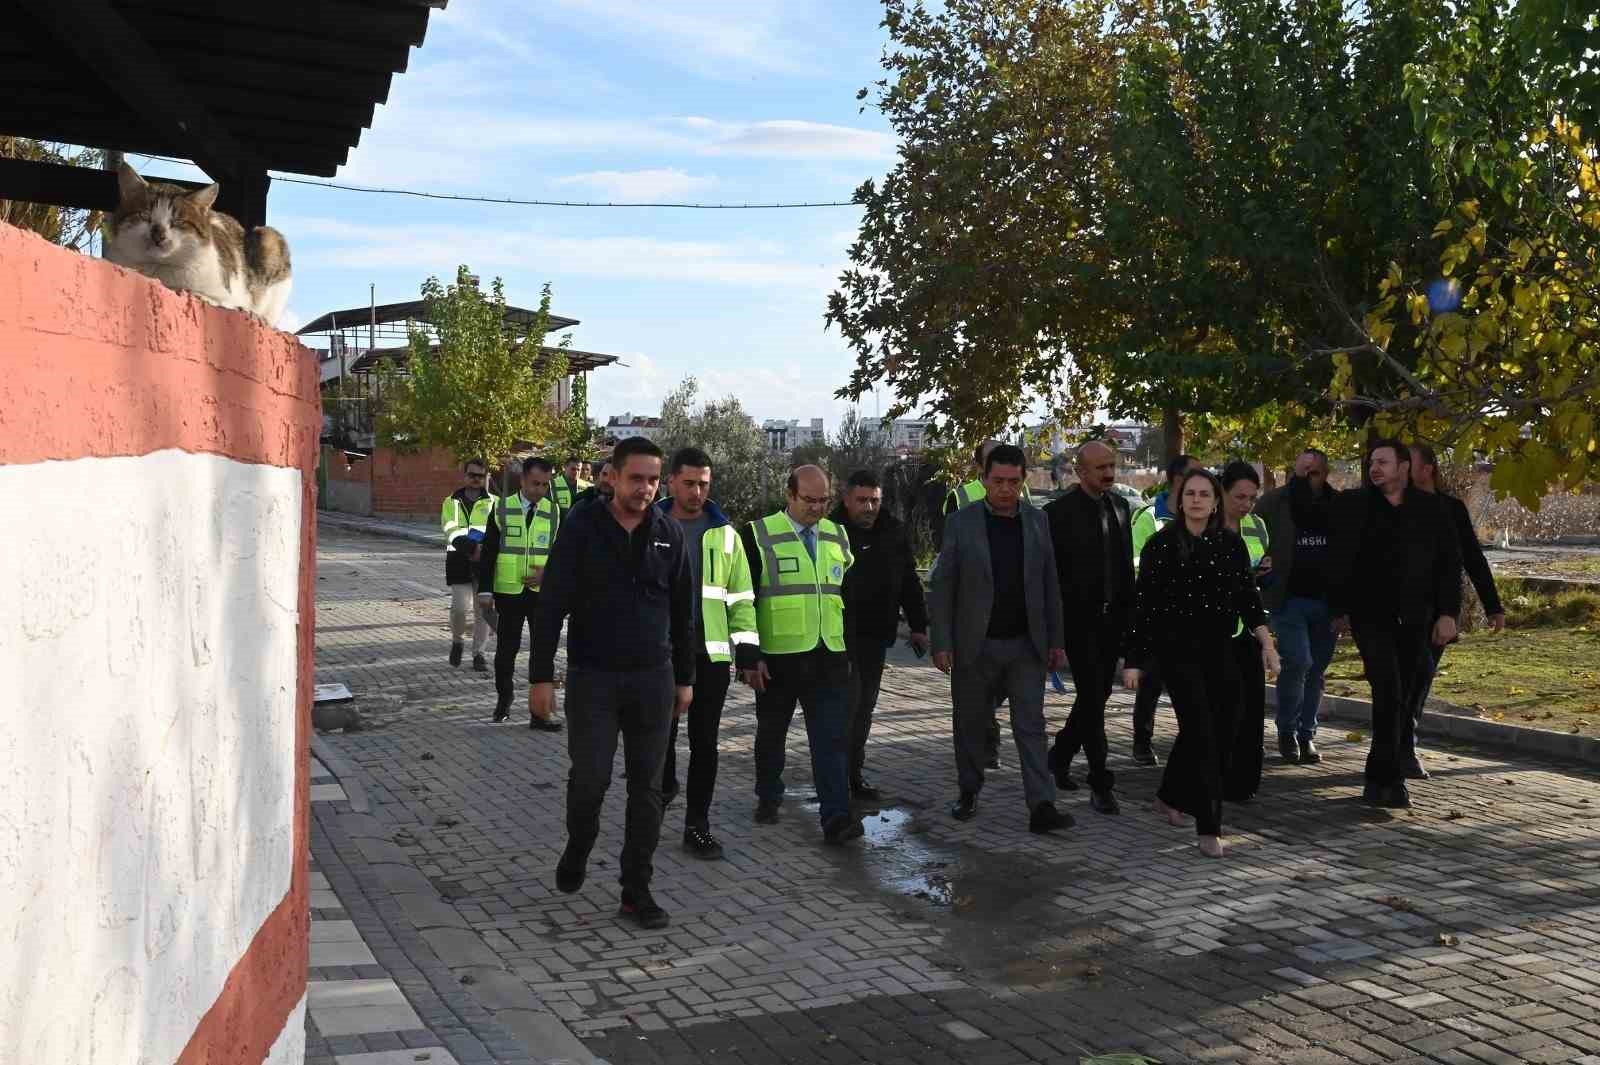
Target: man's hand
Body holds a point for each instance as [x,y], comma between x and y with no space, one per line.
[1444,630]
[1056,659]
[680,703]
[1269,659]
[1341,626]
[919,640]
[1130,679]
[542,700]
[942,661]
[1265,565]
[757,678]
[485,600]
[1497,622]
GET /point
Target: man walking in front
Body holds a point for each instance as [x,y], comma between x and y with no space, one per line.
[620,572]
[725,618]
[464,518]
[1147,521]
[882,585]
[1395,583]
[994,602]
[1295,593]
[1089,529]
[798,560]
[516,548]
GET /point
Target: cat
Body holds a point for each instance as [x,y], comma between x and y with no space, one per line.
[172,234]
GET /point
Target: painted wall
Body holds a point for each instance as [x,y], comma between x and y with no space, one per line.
[157,473]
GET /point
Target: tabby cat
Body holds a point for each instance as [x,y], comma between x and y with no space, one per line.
[171,234]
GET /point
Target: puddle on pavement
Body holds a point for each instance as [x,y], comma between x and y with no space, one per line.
[898,859]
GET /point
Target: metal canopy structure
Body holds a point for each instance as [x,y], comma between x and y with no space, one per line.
[403,314]
[240,87]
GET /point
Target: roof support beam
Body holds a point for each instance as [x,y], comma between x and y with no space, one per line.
[62,185]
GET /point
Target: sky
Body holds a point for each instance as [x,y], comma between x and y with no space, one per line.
[619,100]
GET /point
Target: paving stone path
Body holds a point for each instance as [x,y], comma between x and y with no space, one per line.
[1466,931]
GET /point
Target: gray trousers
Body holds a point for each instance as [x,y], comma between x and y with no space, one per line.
[599,705]
[1012,670]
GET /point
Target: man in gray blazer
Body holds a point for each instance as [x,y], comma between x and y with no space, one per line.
[994,606]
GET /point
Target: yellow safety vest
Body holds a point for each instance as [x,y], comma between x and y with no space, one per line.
[564,491]
[1253,531]
[800,602]
[524,542]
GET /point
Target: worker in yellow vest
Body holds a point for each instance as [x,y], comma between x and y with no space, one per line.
[1240,487]
[516,546]
[464,519]
[798,560]
[564,488]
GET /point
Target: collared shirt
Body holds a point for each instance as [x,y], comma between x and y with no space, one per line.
[802,531]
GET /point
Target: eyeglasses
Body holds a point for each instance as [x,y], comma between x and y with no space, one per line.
[813,500]
[475,476]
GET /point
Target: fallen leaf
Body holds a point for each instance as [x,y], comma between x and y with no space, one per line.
[1092,971]
[1445,939]
[1398,902]
[1354,737]
[1453,815]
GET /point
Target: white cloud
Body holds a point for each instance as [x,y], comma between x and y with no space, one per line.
[717,38]
[634,186]
[792,139]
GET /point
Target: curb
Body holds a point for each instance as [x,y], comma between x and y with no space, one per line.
[378,527]
[1454,725]
[343,772]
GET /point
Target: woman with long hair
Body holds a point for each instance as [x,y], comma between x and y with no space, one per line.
[1242,777]
[1194,587]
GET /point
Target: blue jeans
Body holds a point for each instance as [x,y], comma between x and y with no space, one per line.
[1304,630]
[819,681]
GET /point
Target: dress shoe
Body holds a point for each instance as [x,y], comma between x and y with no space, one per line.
[455,654]
[841,829]
[966,807]
[638,905]
[1308,753]
[766,812]
[1104,802]
[502,713]
[480,664]
[1046,818]
[1144,754]
[860,789]
[1395,797]
[544,724]
[1288,750]
[570,871]
[1061,771]
[702,844]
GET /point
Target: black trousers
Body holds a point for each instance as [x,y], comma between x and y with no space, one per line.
[866,679]
[1144,703]
[705,724]
[514,611]
[1399,663]
[1243,776]
[1437,651]
[637,704]
[1092,650]
[1203,684]
[818,681]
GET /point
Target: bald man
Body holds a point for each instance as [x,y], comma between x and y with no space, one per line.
[1090,530]
[798,559]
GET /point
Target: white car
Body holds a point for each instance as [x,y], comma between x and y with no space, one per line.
[1134,497]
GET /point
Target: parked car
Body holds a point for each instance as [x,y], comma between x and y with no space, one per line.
[1134,497]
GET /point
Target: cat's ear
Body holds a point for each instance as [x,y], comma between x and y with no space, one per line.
[204,198]
[130,186]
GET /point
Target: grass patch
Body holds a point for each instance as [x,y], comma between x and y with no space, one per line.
[1544,670]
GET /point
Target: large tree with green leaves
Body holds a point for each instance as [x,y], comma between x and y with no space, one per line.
[746,478]
[475,386]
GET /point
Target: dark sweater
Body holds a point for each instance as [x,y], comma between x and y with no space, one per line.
[1008,616]
[1393,562]
[881,584]
[1077,533]
[1472,559]
[1189,602]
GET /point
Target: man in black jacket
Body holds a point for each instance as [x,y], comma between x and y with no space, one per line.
[881,585]
[1425,475]
[1090,530]
[620,571]
[1394,581]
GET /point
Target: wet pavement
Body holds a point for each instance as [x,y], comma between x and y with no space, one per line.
[1465,931]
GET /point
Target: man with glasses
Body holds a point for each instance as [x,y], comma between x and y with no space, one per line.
[464,518]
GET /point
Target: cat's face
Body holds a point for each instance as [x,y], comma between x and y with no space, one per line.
[156,222]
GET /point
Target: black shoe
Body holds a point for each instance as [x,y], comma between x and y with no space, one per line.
[544,724]
[637,904]
[1144,754]
[766,812]
[991,760]
[1288,750]
[1062,773]
[1372,794]
[966,807]
[570,871]
[1414,770]
[860,789]
[1308,753]
[1395,797]
[1046,818]
[701,843]
[502,713]
[455,654]
[1104,802]
[480,664]
[841,828]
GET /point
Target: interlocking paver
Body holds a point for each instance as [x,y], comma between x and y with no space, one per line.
[1332,933]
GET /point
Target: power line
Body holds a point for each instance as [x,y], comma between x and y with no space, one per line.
[512,201]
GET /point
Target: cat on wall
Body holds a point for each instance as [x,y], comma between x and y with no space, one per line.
[172,234]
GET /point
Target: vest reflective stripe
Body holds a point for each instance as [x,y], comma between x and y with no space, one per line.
[727,602]
[524,544]
[455,521]
[1253,531]
[1144,525]
[800,601]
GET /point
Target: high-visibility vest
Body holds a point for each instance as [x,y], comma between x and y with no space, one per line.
[727,599]
[456,520]
[1145,525]
[524,542]
[972,492]
[564,491]
[1253,530]
[800,602]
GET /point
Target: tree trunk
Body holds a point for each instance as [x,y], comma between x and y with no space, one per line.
[1172,432]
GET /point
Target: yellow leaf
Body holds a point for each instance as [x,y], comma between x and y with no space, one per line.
[1469,208]
[1354,737]
[1442,228]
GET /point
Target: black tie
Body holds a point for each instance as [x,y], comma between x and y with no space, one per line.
[1108,547]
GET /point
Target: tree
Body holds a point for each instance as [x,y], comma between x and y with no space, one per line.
[67,226]
[579,436]
[856,445]
[475,387]
[746,479]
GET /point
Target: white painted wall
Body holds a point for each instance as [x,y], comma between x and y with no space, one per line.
[290,1048]
[147,730]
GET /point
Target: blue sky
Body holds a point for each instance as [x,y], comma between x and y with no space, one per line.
[615,100]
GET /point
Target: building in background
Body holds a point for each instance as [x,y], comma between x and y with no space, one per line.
[784,436]
[622,426]
[903,436]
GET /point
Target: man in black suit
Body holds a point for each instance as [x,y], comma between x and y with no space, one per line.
[1091,532]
